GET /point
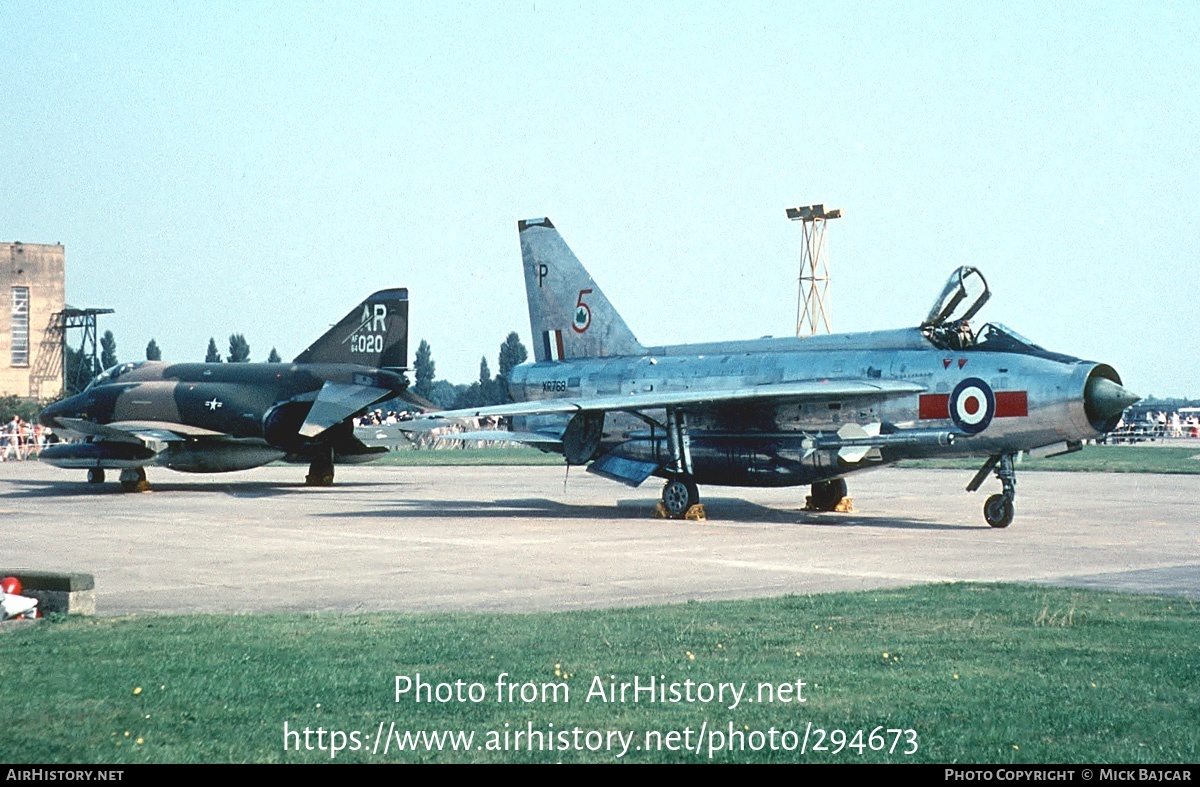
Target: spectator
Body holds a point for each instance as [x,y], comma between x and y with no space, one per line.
[12,439]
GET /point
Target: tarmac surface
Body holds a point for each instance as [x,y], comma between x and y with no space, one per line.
[512,539]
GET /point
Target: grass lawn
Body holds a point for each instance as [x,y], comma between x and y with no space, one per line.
[979,673]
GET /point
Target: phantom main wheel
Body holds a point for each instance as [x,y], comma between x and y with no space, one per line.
[96,475]
[134,480]
[827,494]
[321,477]
[998,511]
[320,471]
[679,495]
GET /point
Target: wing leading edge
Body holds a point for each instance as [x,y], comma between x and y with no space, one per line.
[791,391]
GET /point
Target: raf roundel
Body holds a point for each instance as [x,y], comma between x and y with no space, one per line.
[972,405]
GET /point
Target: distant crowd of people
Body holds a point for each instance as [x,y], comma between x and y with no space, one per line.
[435,436]
[1171,424]
[377,417]
[1157,424]
[20,440]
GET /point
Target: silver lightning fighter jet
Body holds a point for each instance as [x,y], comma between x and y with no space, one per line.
[788,411]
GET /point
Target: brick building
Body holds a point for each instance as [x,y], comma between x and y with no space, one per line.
[32,285]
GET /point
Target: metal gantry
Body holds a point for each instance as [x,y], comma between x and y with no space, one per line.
[50,365]
[812,302]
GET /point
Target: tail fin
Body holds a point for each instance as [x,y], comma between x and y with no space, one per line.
[374,333]
[569,315]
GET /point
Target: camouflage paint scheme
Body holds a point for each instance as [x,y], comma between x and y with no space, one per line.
[217,417]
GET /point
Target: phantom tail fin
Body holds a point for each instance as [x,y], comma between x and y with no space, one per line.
[569,315]
[374,333]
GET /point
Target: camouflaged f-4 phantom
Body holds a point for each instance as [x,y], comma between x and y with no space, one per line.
[216,417]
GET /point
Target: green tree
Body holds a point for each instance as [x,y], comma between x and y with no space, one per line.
[487,386]
[468,396]
[239,349]
[27,409]
[445,393]
[71,364]
[512,353]
[152,351]
[108,350]
[78,370]
[213,355]
[274,357]
[478,393]
[424,367]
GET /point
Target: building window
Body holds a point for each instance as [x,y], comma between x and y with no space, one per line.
[20,326]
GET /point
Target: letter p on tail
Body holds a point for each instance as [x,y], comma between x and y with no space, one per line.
[568,313]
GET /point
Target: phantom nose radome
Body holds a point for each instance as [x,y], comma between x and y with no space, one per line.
[1106,399]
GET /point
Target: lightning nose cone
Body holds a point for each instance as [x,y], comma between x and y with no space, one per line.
[1106,399]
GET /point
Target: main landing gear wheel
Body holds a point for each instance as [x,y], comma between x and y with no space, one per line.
[134,480]
[319,477]
[320,471]
[827,494]
[998,510]
[679,495]
[96,475]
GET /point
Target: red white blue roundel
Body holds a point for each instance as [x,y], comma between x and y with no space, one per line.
[972,405]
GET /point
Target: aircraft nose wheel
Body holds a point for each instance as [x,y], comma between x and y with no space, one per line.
[96,475]
[679,495]
[998,511]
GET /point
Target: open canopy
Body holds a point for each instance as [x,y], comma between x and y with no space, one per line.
[947,325]
[965,294]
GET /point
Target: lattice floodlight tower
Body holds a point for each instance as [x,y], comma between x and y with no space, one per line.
[812,302]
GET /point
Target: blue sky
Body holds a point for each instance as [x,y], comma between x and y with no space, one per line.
[259,168]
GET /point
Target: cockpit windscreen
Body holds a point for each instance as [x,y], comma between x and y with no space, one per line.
[112,373]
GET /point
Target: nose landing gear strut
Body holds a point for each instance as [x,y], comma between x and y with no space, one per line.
[998,510]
